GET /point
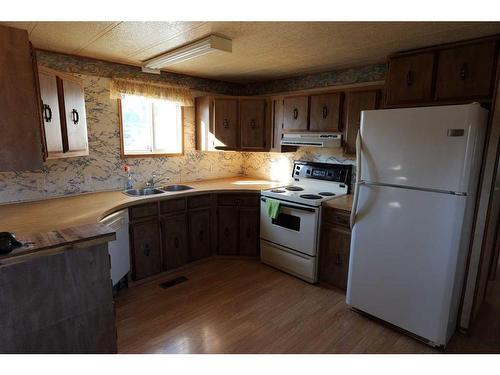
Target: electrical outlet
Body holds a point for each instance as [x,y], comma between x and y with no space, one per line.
[40,183]
[88,181]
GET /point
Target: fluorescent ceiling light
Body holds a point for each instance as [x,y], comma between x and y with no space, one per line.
[201,47]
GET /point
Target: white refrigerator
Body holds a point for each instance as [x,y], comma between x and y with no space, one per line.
[417,176]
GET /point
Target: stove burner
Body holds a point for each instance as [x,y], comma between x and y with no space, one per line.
[310,196]
[277,191]
[326,194]
[294,188]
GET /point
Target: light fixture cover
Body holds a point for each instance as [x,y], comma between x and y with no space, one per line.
[200,47]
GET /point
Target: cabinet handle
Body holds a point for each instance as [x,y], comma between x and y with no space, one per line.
[75,117]
[338,259]
[464,72]
[325,111]
[147,250]
[176,242]
[47,113]
[409,78]
[295,113]
[225,123]
[252,124]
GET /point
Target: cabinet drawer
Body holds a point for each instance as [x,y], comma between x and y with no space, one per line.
[172,205]
[144,210]
[238,199]
[336,217]
[466,72]
[199,201]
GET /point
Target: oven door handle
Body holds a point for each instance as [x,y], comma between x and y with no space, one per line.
[294,207]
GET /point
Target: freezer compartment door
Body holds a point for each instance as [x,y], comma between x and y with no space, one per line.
[428,147]
[404,255]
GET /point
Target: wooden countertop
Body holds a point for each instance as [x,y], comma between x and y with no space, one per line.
[28,218]
[36,244]
[343,202]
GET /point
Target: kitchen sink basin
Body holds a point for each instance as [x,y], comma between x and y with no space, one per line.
[176,187]
[142,192]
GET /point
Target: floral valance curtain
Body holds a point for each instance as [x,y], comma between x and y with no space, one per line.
[180,95]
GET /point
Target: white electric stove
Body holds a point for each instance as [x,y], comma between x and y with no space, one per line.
[290,242]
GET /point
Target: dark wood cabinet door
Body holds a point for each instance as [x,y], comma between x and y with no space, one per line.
[174,241]
[325,112]
[199,234]
[253,124]
[145,243]
[334,256]
[466,72]
[226,123]
[21,144]
[356,101]
[228,228]
[409,78]
[249,231]
[295,113]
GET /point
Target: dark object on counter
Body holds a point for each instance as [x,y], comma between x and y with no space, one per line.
[8,242]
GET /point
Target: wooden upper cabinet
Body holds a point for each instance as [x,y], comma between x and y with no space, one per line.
[50,111]
[75,117]
[466,72]
[226,124]
[325,112]
[356,101]
[409,78]
[295,112]
[253,124]
[21,143]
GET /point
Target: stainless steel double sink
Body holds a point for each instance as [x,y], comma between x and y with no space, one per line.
[152,191]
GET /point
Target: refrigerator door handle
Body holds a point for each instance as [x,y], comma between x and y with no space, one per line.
[358,180]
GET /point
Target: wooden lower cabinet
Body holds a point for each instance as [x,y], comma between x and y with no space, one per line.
[238,224]
[334,251]
[145,248]
[199,234]
[175,249]
[228,225]
[249,231]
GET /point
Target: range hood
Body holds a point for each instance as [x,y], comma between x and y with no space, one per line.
[306,139]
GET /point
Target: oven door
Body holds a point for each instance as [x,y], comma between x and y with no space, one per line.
[296,226]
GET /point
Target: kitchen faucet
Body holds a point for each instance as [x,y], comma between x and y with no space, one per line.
[151,183]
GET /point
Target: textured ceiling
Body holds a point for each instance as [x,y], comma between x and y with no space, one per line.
[261,50]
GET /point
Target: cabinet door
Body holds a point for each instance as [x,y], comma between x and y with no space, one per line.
[253,124]
[295,112]
[249,231]
[50,111]
[409,79]
[325,112]
[145,243]
[75,117]
[174,241]
[334,256]
[226,123]
[228,227]
[21,145]
[199,234]
[466,72]
[356,102]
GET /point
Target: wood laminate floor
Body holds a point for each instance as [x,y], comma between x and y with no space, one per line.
[243,306]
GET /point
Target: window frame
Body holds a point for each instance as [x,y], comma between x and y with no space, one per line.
[151,154]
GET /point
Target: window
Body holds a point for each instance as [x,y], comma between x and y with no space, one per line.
[150,127]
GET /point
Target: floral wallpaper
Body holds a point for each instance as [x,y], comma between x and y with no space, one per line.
[103,168]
